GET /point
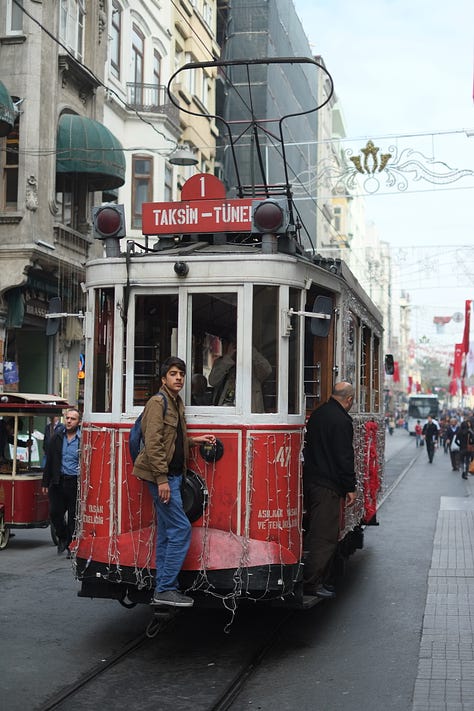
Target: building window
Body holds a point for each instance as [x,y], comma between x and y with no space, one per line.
[14,17]
[337,219]
[156,79]
[71,26]
[206,90]
[168,196]
[115,39]
[190,75]
[138,53]
[9,165]
[64,205]
[207,14]
[142,186]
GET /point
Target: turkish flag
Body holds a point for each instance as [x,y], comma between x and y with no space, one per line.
[458,353]
[467,325]
[396,372]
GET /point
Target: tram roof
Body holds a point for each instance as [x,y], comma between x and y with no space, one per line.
[334,273]
[34,403]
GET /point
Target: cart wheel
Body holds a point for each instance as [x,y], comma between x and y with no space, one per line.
[54,537]
[4,533]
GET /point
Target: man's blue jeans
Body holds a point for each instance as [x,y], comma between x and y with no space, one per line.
[173,535]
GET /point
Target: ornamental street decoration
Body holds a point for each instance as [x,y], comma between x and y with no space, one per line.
[393,169]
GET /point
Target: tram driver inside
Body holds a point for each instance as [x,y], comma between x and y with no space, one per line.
[222,376]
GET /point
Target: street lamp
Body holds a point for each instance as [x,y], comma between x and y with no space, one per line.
[182,155]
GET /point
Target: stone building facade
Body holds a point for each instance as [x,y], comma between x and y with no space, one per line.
[57,160]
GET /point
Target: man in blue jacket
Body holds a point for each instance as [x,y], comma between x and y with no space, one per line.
[328,479]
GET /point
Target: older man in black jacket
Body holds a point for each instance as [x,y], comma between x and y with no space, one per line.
[328,478]
[60,477]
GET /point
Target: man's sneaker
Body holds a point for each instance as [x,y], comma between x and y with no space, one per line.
[325,591]
[172,598]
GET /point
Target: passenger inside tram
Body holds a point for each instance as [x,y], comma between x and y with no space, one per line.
[201,394]
[222,376]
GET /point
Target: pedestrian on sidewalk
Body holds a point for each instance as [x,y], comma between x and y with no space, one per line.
[464,439]
[430,434]
[60,477]
[453,448]
[418,433]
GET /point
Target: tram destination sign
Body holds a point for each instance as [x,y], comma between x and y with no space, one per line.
[191,216]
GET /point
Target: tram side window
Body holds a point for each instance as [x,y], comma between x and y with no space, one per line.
[156,338]
[214,348]
[294,387]
[365,368]
[265,365]
[350,352]
[376,375]
[103,351]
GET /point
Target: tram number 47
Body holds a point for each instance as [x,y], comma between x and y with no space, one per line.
[283,456]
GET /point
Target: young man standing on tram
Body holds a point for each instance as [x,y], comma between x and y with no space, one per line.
[328,479]
[162,464]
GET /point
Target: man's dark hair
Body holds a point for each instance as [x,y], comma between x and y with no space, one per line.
[169,363]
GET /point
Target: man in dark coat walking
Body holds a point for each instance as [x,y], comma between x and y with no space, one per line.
[60,477]
[431,435]
[328,479]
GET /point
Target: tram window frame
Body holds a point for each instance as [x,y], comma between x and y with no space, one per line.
[365,381]
[376,384]
[265,348]
[158,341]
[103,345]
[294,351]
[218,312]
[350,349]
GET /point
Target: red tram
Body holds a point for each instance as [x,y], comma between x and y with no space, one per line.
[23,419]
[223,271]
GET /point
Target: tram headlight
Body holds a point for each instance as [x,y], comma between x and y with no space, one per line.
[108,221]
[270,216]
[181,269]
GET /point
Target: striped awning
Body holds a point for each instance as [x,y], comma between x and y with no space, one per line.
[86,147]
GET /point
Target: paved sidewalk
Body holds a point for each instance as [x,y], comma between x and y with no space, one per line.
[445,678]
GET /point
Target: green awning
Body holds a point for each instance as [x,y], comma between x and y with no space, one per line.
[86,148]
[7,111]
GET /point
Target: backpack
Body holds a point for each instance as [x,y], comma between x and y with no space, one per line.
[135,438]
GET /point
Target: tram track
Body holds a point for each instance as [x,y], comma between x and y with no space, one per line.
[56,702]
[165,632]
[220,697]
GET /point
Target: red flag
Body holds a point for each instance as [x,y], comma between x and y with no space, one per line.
[453,387]
[467,323]
[458,353]
[396,372]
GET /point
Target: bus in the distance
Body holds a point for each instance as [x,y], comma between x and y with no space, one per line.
[419,407]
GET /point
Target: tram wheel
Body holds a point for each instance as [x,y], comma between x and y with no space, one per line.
[4,533]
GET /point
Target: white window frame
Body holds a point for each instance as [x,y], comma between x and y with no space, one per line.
[71,26]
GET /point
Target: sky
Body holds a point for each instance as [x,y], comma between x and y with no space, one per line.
[403,73]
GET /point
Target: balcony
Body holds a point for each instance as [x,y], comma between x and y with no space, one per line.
[151,98]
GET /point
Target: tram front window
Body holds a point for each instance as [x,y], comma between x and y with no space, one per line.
[214,348]
[156,338]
